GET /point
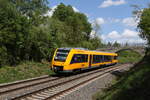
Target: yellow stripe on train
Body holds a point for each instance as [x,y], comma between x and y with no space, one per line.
[75,59]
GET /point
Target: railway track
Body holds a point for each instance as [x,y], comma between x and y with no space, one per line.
[51,87]
[12,88]
[26,83]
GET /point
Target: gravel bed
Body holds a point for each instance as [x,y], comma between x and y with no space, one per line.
[65,86]
[86,92]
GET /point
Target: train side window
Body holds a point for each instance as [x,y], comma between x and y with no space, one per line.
[94,59]
[97,58]
[104,58]
[101,58]
[79,58]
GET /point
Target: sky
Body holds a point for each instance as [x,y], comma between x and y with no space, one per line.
[115,17]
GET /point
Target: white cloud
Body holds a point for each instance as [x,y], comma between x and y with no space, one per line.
[113,20]
[130,34]
[75,9]
[108,3]
[96,25]
[99,21]
[114,35]
[129,21]
[127,36]
[92,34]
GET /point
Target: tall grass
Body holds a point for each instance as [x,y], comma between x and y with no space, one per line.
[23,71]
[129,56]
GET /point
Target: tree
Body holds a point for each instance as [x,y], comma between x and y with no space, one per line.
[116,44]
[63,12]
[109,44]
[80,28]
[144,25]
[126,44]
[13,28]
[3,56]
[32,9]
[26,34]
[22,37]
[58,31]
[96,27]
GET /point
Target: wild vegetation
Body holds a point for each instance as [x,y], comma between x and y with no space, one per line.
[24,70]
[27,34]
[135,84]
[129,56]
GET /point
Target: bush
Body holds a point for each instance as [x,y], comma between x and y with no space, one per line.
[3,56]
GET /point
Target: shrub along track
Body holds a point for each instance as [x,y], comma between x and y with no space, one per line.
[51,87]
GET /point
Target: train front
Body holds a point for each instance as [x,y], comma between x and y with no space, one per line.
[59,60]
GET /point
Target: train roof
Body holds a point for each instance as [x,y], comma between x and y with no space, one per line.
[69,48]
[84,49]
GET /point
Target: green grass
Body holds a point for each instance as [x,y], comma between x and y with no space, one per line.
[24,70]
[129,56]
[134,85]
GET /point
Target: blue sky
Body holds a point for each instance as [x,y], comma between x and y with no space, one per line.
[114,16]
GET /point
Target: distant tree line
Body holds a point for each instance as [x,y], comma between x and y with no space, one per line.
[27,34]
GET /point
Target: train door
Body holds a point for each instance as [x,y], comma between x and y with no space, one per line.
[90,61]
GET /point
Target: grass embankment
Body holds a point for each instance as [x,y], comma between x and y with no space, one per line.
[128,56]
[23,71]
[134,85]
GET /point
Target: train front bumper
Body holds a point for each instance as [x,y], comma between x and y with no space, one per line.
[60,69]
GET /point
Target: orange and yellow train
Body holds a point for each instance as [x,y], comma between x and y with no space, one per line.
[76,59]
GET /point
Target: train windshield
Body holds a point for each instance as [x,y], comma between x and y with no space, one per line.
[61,55]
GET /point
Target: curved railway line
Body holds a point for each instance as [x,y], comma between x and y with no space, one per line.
[14,88]
[44,88]
[26,83]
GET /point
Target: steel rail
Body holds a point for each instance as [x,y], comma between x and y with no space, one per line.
[59,84]
[25,84]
